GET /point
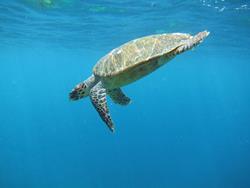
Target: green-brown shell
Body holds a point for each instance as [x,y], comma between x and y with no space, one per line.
[138,51]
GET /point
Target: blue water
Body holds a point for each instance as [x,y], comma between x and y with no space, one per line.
[188,124]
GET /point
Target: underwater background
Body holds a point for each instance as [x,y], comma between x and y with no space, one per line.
[188,124]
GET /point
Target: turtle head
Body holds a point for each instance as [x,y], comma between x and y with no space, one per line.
[80,91]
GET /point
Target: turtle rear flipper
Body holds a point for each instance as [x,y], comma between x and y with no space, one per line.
[119,97]
[190,43]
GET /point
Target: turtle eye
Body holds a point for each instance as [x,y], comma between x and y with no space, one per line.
[81,94]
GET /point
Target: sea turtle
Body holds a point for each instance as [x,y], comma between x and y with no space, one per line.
[128,63]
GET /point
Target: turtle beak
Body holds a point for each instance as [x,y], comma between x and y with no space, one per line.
[73,95]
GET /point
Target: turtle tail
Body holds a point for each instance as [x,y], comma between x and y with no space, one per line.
[192,42]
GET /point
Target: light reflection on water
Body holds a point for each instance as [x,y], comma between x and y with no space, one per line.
[98,24]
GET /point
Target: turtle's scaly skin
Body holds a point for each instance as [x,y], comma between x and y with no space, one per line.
[139,57]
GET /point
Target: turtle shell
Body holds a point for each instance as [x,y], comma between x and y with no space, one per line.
[138,51]
[141,56]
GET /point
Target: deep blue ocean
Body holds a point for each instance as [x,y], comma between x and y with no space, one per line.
[188,125]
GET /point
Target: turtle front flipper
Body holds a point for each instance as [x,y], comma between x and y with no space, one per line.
[119,97]
[99,100]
